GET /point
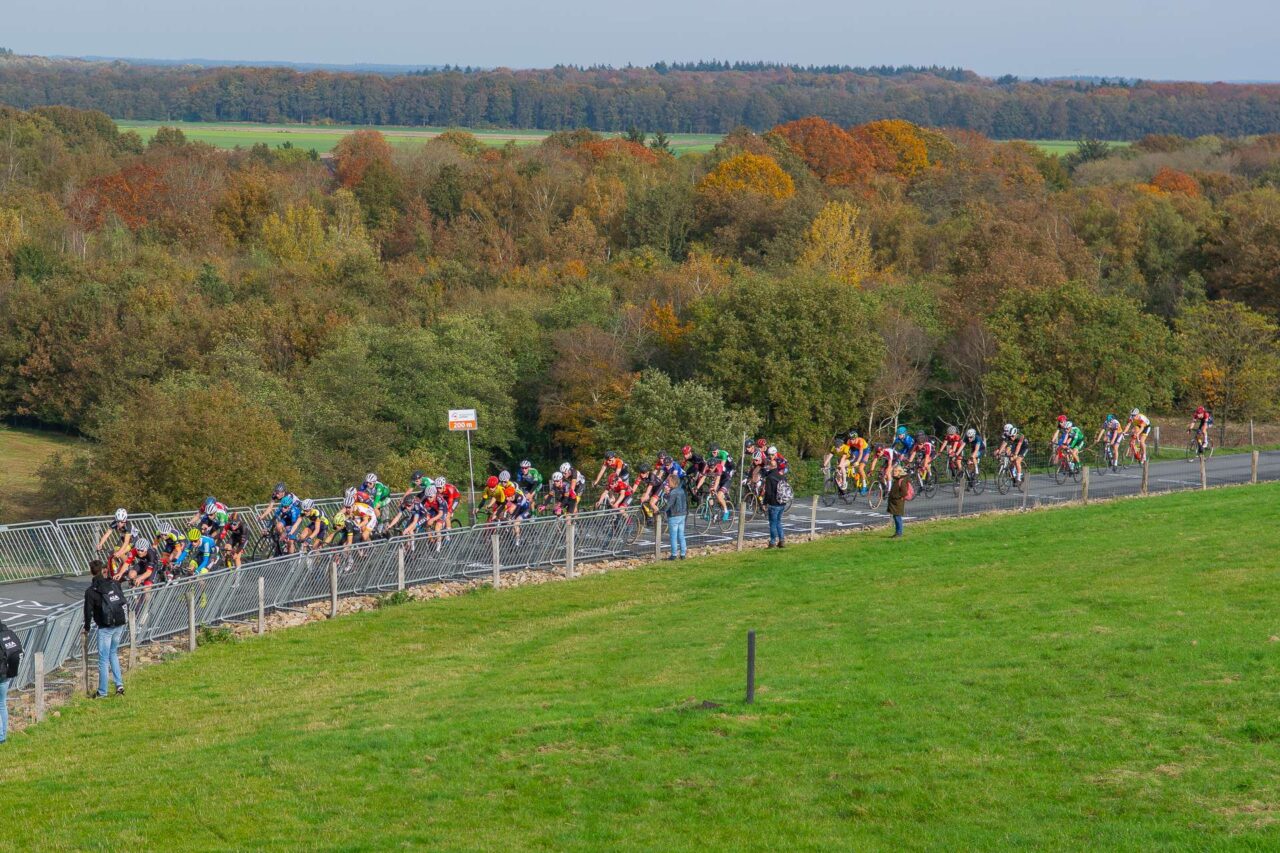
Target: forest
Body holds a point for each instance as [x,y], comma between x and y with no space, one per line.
[214,321]
[705,97]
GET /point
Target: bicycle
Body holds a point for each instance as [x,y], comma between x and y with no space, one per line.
[1195,449]
[1063,467]
[1004,475]
[1110,459]
[835,486]
[974,480]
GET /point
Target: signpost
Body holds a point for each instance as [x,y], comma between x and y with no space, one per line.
[464,420]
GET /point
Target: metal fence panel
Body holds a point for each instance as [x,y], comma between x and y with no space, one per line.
[32,550]
[82,535]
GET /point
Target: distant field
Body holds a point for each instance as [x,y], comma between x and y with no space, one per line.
[322,139]
[22,452]
[1066,146]
[1094,678]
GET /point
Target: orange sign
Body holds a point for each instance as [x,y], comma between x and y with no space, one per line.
[462,419]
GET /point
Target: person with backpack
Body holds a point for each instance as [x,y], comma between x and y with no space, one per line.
[10,657]
[899,494]
[677,510]
[104,606]
[777,494]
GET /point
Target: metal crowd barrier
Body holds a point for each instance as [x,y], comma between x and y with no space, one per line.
[32,550]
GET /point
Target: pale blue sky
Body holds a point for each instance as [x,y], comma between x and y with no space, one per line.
[1172,39]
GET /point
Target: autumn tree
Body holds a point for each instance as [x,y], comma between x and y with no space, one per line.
[660,414]
[1244,250]
[1229,361]
[898,146]
[750,175]
[356,152]
[836,245]
[834,156]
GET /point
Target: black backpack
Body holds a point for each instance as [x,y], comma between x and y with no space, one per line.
[11,647]
[113,606]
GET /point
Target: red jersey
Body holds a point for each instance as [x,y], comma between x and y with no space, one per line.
[449,496]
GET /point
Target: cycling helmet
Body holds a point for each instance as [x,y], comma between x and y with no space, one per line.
[1013,432]
[853,433]
[371,479]
[141,545]
[285,502]
[663,458]
[643,467]
[772,451]
[1062,419]
[921,438]
[902,430]
[439,482]
[687,450]
[164,528]
[714,449]
[1069,425]
[1008,427]
[122,514]
[971,433]
[308,504]
[557,477]
[491,482]
[349,494]
[430,492]
[1200,412]
[349,502]
[565,468]
[504,477]
[610,455]
[838,437]
[1134,413]
[760,442]
[210,504]
[279,490]
[525,463]
[722,455]
[193,535]
[952,431]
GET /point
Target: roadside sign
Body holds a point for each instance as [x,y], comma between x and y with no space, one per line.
[462,419]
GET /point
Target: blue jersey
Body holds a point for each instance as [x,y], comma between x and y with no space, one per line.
[976,443]
[288,515]
[202,552]
[904,443]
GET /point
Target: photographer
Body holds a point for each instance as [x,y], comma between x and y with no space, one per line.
[10,657]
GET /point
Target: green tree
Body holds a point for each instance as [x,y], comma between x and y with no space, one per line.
[659,414]
[1244,250]
[1229,360]
[1070,349]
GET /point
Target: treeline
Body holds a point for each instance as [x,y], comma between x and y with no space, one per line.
[708,97]
[216,321]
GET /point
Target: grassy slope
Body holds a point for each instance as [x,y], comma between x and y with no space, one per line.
[22,452]
[1089,677]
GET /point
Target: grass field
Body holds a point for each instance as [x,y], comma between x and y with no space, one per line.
[22,452]
[1062,147]
[1088,678]
[324,138]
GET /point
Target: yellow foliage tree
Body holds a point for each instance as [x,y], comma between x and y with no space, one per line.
[297,236]
[755,174]
[12,229]
[834,243]
[898,146]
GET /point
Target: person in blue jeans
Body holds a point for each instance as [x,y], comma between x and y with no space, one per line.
[774,507]
[104,606]
[10,657]
[4,708]
[677,511]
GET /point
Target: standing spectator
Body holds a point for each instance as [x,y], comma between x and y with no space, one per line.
[10,656]
[104,605]
[677,509]
[898,499]
[775,503]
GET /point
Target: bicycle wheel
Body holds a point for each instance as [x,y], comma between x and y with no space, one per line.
[1004,481]
[875,495]
[1062,472]
[930,487]
[979,484]
[1193,450]
[829,493]
[918,484]
[265,548]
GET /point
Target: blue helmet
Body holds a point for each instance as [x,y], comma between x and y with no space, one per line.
[286,501]
[902,430]
[210,504]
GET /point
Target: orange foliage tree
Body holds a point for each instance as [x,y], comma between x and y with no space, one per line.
[134,195]
[834,156]
[356,152]
[898,146]
[1172,181]
[598,150]
[748,174]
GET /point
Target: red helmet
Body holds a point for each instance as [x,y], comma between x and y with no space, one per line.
[1062,419]
[1200,411]
[687,450]
[491,482]
[761,443]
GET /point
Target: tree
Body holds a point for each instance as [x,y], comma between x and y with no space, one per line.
[356,152]
[834,156]
[748,174]
[168,138]
[1070,349]
[898,147]
[1229,360]
[659,414]
[1244,251]
[835,245]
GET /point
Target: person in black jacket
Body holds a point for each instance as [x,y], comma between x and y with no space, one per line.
[10,657]
[774,506]
[104,606]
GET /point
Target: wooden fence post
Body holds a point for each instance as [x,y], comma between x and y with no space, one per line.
[1253,467]
[262,605]
[960,488]
[1204,477]
[333,590]
[39,686]
[1251,432]
[813,517]
[191,620]
[1084,484]
[497,558]
[1157,437]
[1144,475]
[568,547]
[657,536]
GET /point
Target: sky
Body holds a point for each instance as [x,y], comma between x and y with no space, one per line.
[1170,40]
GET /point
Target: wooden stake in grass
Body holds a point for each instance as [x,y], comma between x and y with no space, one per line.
[751,667]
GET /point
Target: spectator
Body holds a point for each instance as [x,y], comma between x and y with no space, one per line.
[104,605]
[773,478]
[10,656]
[898,499]
[677,509]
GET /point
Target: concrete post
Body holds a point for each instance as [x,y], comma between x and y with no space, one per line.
[400,568]
[657,536]
[497,558]
[133,639]
[742,519]
[1156,430]
[39,686]
[1253,467]
[1251,432]
[1144,475]
[813,517]
[1204,477]
[333,590]
[191,620]
[1084,484]
[262,606]
[569,536]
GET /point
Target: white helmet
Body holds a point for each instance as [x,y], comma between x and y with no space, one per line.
[141,545]
[504,477]
[430,492]
[1134,413]
[971,433]
[308,504]
[439,482]
[164,528]
[1069,425]
[565,469]
[122,514]
[557,477]
[370,479]
[1008,428]
[772,450]
[1013,431]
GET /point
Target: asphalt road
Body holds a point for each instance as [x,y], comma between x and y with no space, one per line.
[22,602]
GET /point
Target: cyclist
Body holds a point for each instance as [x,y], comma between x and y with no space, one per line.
[235,536]
[200,552]
[756,452]
[127,532]
[841,452]
[144,564]
[492,498]
[612,464]
[562,496]
[903,442]
[885,454]
[518,508]
[379,494]
[448,495]
[617,493]
[974,446]
[1015,446]
[364,517]
[720,474]
[168,546]
[311,526]
[276,494]
[1075,441]
[1114,436]
[530,481]
[287,514]
[343,526]
[1199,426]
[644,488]
[921,455]
[775,460]
[1138,427]
[695,466]
[212,516]
[577,480]
[859,455]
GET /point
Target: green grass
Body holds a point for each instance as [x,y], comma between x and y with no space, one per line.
[323,138]
[22,452]
[1063,147]
[1088,678]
